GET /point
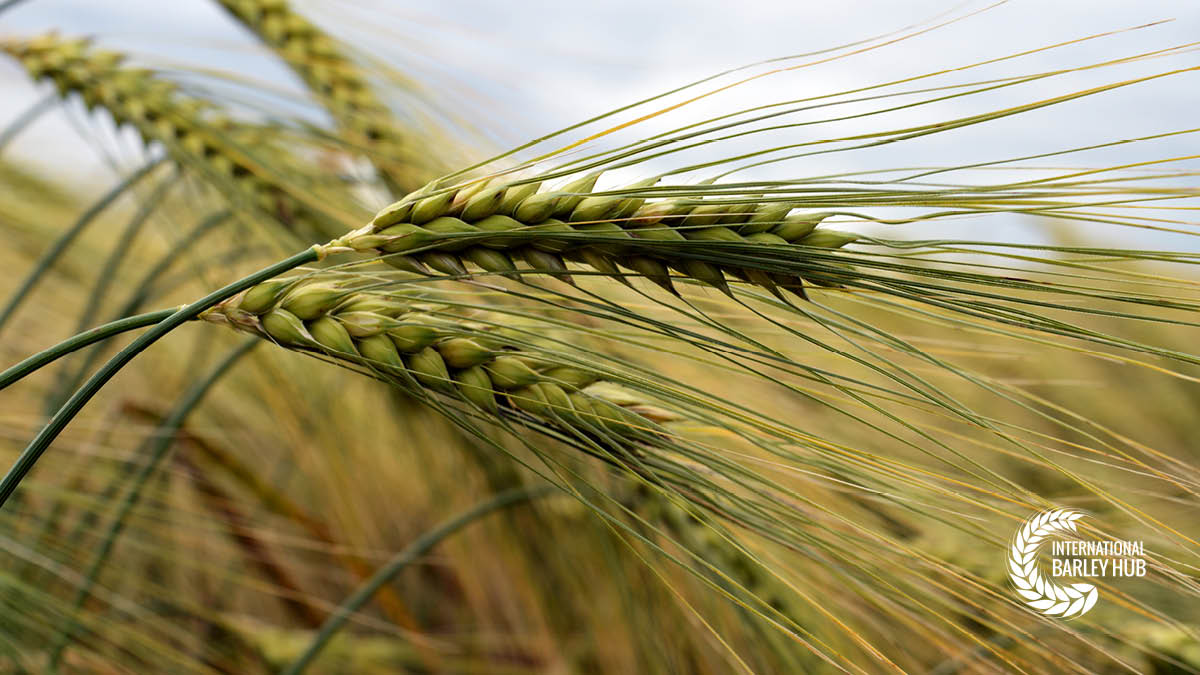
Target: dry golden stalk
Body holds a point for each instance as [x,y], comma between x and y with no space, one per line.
[281,505]
[258,555]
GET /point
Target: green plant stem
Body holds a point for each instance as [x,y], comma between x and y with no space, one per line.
[162,441]
[14,656]
[65,239]
[142,292]
[143,289]
[418,548]
[107,274]
[77,342]
[28,117]
[46,436]
[68,380]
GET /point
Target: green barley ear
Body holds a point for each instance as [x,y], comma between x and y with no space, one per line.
[393,336]
[341,86]
[286,328]
[310,301]
[768,216]
[515,195]
[537,207]
[331,334]
[477,387]
[573,193]
[788,228]
[604,231]
[482,204]
[463,353]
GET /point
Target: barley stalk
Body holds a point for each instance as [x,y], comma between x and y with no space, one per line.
[32,452]
[194,132]
[157,452]
[336,80]
[215,457]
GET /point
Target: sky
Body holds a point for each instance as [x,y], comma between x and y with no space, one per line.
[517,70]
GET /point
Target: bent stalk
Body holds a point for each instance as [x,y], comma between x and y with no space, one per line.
[42,441]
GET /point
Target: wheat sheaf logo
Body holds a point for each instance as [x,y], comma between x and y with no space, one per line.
[1040,592]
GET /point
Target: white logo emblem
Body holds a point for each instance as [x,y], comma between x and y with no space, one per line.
[1039,592]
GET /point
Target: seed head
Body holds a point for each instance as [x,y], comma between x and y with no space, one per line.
[489,226]
[397,338]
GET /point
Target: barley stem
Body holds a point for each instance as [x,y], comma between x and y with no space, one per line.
[64,240]
[107,274]
[403,559]
[26,118]
[104,280]
[67,412]
[162,441]
[77,342]
[139,296]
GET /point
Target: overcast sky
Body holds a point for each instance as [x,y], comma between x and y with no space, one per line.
[516,70]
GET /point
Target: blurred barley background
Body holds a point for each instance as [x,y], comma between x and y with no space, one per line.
[225,542]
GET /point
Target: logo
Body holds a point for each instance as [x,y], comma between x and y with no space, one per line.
[1072,558]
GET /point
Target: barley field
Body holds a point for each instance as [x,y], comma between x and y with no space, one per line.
[346,336]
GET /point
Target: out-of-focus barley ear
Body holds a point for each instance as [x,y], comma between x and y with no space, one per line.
[195,133]
[730,562]
[340,84]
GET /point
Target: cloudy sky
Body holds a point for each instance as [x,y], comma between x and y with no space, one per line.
[516,70]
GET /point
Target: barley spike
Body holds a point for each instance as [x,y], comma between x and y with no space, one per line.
[337,82]
[401,339]
[491,227]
